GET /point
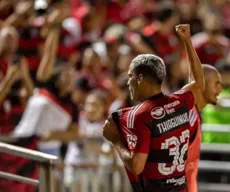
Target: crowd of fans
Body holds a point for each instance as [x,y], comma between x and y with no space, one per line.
[64,63]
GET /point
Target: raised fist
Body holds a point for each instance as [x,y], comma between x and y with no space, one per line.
[183,31]
[110,131]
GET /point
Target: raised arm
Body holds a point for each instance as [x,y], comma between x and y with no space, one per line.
[198,84]
[13,74]
[45,69]
[26,78]
[70,134]
[23,12]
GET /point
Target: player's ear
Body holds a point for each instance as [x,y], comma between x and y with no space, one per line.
[140,79]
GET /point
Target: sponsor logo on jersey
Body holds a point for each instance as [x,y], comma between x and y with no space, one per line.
[171,105]
[170,108]
[132,140]
[158,112]
[176,182]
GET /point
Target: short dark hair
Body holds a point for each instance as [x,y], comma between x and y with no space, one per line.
[150,66]
[166,12]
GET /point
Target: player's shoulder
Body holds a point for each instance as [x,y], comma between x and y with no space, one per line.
[182,93]
[134,115]
[134,111]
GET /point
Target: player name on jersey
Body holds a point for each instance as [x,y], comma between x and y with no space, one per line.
[173,122]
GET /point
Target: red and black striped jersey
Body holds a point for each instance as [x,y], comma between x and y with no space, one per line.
[159,127]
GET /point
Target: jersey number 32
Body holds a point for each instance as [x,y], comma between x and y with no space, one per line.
[178,155]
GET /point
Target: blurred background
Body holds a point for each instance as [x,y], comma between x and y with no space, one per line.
[75,54]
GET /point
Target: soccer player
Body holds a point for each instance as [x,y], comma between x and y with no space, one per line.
[152,138]
[208,96]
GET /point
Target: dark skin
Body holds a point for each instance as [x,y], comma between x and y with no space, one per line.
[141,88]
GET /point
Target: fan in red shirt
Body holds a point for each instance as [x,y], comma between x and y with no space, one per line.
[14,77]
[159,38]
[211,45]
[152,138]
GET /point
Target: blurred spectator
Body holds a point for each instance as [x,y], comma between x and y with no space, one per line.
[159,38]
[211,45]
[50,110]
[81,91]
[6,9]
[124,98]
[120,11]
[47,112]
[61,17]
[220,8]
[91,68]
[188,14]
[136,24]
[29,24]
[99,62]
[15,83]
[226,18]
[90,148]
[223,66]
[109,49]
[89,30]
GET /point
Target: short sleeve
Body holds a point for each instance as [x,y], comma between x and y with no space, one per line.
[187,96]
[31,119]
[132,127]
[138,138]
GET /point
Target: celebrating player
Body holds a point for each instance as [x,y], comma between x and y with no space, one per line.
[152,138]
[208,96]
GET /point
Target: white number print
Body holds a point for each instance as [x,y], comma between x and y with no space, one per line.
[178,156]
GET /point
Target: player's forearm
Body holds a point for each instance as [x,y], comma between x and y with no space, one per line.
[69,135]
[127,158]
[28,83]
[195,65]
[45,69]
[14,20]
[5,87]
[125,154]
[61,136]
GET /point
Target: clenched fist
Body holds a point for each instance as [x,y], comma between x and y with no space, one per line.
[110,131]
[183,31]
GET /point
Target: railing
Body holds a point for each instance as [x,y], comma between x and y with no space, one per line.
[215,148]
[46,162]
[215,166]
